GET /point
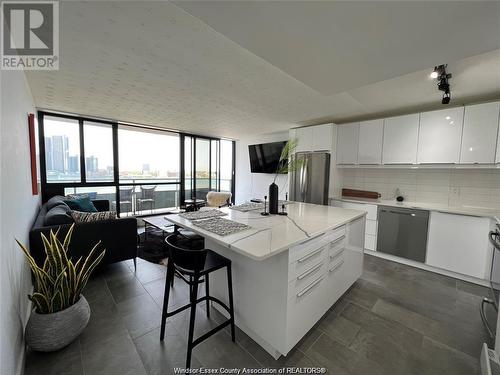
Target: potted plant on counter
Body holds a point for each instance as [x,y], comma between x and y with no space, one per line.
[60,312]
[287,163]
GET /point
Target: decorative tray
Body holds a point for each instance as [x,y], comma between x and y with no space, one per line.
[203,214]
[220,226]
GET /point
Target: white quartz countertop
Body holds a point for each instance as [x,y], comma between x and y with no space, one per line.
[273,234]
[460,210]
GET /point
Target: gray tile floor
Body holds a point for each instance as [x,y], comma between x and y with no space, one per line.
[394,320]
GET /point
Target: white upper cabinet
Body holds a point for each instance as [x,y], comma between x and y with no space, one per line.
[322,137]
[480,133]
[400,140]
[439,136]
[347,143]
[313,138]
[304,139]
[370,142]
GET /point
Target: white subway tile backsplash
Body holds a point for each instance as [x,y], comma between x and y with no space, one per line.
[454,187]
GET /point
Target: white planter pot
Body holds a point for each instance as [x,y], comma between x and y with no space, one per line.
[50,332]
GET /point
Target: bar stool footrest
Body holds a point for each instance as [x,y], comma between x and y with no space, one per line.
[201,299]
[211,332]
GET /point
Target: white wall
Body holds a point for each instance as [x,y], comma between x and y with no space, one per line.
[256,185]
[453,187]
[18,209]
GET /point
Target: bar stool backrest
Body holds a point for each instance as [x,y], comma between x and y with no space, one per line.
[186,254]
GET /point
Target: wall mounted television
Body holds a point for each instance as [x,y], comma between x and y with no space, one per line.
[264,157]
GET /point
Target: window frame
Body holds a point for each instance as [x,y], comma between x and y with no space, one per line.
[48,187]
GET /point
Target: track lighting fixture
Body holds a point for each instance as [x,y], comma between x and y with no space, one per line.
[446,97]
[440,74]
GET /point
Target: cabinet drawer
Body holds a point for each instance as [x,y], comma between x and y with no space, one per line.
[335,267]
[312,244]
[336,253]
[305,307]
[307,291]
[370,209]
[335,234]
[342,271]
[305,278]
[307,260]
[371,227]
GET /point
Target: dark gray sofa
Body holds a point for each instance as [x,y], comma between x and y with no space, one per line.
[117,236]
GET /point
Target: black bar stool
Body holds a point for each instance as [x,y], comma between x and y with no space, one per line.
[193,264]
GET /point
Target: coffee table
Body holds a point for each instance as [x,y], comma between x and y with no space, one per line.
[194,203]
[159,222]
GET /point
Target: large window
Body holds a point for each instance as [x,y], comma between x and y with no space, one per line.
[148,155]
[206,166]
[149,170]
[226,165]
[62,150]
[98,148]
[138,170]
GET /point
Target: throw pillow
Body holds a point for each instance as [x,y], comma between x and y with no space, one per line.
[92,195]
[55,201]
[86,217]
[83,204]
[59,215]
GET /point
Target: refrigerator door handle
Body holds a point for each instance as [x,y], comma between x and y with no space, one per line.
[302,176]
[306,178]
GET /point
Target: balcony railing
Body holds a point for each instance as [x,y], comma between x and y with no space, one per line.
[139,197]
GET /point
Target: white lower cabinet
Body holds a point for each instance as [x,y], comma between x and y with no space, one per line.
[459,243]
[371,220]
[456,243]
[320,271]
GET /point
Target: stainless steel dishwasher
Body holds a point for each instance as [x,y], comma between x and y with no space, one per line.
[403,232]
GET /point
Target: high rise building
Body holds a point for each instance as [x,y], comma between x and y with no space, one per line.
[49,162]
[73,164]
[60,153]
[91,164]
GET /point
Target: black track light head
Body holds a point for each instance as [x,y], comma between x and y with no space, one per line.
[446,97]
[442,77]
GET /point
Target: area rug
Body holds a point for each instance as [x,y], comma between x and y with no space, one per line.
[152,247]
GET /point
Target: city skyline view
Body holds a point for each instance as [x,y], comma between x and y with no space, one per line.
[143,154]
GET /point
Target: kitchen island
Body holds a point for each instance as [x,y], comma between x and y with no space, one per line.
[287,270]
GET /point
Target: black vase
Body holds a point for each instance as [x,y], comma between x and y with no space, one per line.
[273,198]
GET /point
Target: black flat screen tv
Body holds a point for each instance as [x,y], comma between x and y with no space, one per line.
[264,158]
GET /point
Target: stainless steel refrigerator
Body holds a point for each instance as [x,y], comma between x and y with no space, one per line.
[309,183]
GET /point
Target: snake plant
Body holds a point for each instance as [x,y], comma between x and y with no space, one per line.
[59,283]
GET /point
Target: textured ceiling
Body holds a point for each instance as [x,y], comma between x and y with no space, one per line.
[154,63]
[335,46]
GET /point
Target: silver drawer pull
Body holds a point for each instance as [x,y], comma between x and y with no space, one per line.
[309,287]
[310,255]
[335,267]
[309,271]
[338,239]
[310,239]
[333,256]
